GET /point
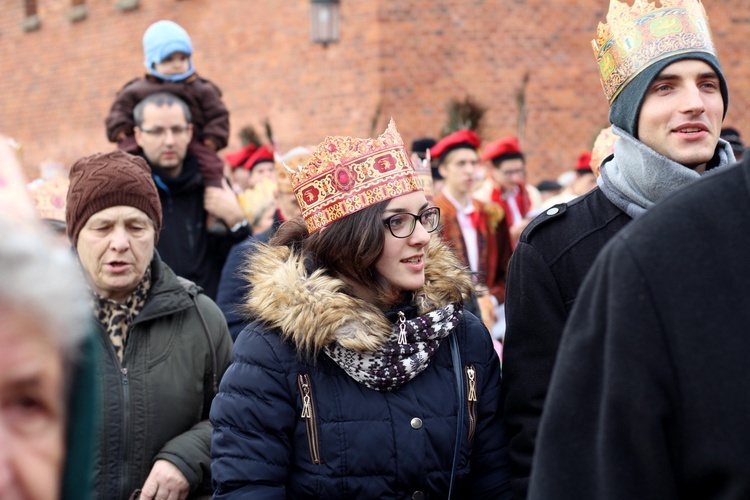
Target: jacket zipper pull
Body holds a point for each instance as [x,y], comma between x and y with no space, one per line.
[306,413]
[402,328]
[472,383]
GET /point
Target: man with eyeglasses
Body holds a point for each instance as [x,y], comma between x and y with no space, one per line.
[163,132]
[475,230]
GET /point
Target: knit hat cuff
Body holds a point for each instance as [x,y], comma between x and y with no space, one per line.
[109,199]
[105,180]
[626,109]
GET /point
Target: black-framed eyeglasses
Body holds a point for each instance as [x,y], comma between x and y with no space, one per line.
[402,225]
[161,132]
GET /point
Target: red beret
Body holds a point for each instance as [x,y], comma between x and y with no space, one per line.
[239,157]
[584,162]
[505,146]
[264,153]
[462,137]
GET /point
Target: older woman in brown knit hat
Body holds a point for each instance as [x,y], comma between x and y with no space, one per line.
[164,343]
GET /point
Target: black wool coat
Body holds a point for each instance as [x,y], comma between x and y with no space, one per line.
[548,266]
[649,396]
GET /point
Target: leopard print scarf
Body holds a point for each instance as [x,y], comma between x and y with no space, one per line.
[405,354]
[117,317]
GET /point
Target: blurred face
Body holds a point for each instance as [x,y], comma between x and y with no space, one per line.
[510,174]
[241,178]
[459,171]
[402,261]
[115,248]
[265,221]
[261,171]
[288,206]
[164,136]
[174,64]
[32,408]
[682,113]
[583,183]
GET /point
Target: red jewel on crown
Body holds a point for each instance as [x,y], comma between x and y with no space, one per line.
[344,178]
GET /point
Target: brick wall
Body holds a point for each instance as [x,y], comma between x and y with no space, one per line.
[404,59]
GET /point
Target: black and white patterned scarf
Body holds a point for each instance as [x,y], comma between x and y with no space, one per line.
[405,354]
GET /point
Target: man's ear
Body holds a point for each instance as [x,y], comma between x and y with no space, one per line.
[441,170]
[137,134]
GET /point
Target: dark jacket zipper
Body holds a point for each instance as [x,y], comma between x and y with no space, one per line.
[308,414]
[126,425]
[471,398]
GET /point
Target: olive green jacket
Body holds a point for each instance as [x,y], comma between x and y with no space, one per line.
[155,404]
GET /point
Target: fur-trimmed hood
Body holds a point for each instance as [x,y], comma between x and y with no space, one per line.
[311,309]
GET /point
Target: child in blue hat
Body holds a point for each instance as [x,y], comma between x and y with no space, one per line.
[169,68]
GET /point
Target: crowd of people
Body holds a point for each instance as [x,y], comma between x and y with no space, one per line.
[363,319]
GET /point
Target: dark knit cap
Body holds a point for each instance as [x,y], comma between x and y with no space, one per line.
[626,109]
[105,180]
[422,145]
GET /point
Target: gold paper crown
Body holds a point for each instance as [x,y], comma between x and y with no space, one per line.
[256,200]
[424,172]
[291,160]
[49,197]
[636,37]
[345,175]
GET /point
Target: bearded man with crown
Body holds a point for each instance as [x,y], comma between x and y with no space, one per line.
[668,97]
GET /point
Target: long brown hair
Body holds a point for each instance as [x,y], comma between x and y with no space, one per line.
[348,249]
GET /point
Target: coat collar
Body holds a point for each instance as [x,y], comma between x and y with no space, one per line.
[311,310]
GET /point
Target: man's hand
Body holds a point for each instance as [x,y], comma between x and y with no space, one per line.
[222,203]
[165,482]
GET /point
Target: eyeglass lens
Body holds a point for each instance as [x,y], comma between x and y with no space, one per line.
[402,227]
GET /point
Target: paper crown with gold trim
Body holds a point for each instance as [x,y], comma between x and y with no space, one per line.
[346,174]
[49,197]
[291,160]
[636,37]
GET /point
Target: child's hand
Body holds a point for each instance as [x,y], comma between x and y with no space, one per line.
[222,203]
[210,143]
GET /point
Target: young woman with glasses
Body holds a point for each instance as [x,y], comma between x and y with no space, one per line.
[361,375]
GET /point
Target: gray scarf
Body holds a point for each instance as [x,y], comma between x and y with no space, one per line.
[637,176]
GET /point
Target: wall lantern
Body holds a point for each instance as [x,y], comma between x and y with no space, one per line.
[324,21]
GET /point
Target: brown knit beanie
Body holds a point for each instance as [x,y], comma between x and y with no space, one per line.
[107,180]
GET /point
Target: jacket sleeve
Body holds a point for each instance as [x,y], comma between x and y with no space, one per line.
[254,416]
[535,316]
[504,251]
[120,117]
[191,450]
[611,414]
[215,113]
[489,477]
[233,287]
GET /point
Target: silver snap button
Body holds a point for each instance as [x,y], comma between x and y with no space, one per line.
[553,211]
[416,423]
[418,495]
